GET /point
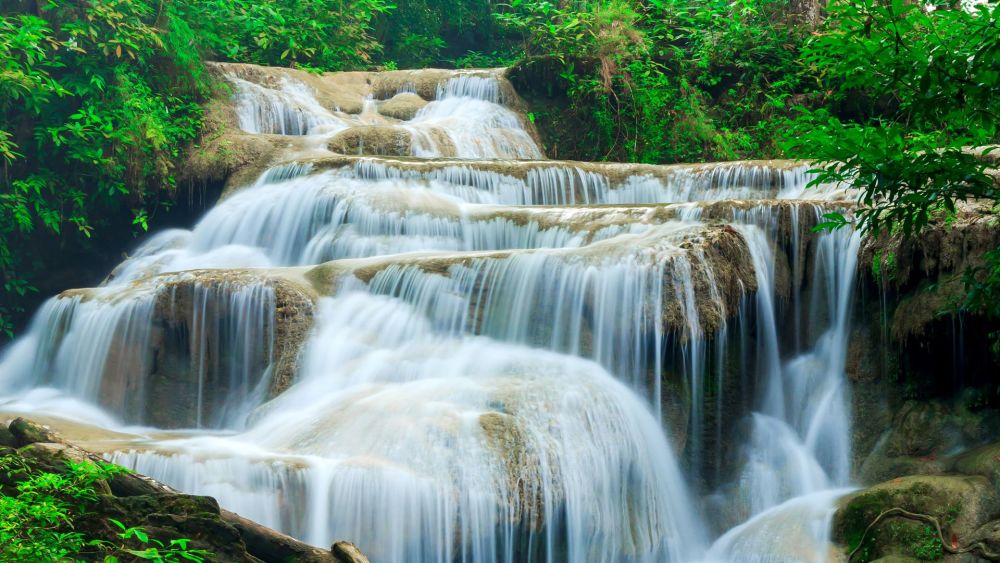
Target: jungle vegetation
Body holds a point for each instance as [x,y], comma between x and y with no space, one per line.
[101,99]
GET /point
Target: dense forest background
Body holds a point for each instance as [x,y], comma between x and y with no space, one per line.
[101,100]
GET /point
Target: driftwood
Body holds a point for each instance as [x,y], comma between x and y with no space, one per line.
[271,545]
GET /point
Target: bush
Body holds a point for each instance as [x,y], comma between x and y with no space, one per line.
[39,511]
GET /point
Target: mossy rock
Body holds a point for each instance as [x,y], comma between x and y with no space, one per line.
[26,432]
[983,461]
[170,516]
[7,439]
[988,537]
[961,505]
[878,467]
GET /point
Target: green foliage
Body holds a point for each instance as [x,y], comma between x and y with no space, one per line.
[884,266]
[921,539]
[95,109]
[908,91]
[477,59]
[921,87]
[983,295]
[674,80]
[38,517]
[99,100]
[175,550]
[312,34]
[422,33]
[36,521]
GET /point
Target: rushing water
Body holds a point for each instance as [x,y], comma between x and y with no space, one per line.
[514,361]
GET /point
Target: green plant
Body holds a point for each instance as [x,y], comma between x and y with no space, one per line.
[37,516]
[40,511]
[155,550]
[94,110]
[670,80]
[923,86]
[914,88]
[884,266]
[100,100]
[319,34]
[477,59]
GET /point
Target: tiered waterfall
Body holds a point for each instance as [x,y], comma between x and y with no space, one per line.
[408,329]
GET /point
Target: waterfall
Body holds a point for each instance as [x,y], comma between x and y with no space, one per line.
[461,351]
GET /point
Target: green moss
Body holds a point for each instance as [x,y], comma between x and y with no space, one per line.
[858,514]
[952,513]
[920,540]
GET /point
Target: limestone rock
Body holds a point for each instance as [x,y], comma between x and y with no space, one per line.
[374,140]
[403,106]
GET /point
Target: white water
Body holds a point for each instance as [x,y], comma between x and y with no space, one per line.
[496,382]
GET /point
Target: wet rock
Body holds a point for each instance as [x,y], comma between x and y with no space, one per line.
[7,439]
[374,140]
[504,436]
[403,106]
[287,325]
[900,518]
[983,461]
[422,82]
[27,432]
[920,428]
[347,552]
[201,347]
[922,438]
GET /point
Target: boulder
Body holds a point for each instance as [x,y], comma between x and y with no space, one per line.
[987,540]
[26,432]
[983,461]
[910,516]
[403,106]
[378,140]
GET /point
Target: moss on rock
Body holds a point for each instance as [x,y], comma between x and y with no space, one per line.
[959,504]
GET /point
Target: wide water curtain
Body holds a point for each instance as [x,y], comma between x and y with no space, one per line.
[412,331]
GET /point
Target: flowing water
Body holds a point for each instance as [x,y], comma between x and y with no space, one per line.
[500,360]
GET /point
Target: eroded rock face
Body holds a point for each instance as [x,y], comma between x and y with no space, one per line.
[200,336]
[925,271]
[195,349]
[921,391]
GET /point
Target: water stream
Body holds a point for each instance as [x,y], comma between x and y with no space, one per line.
[504,360]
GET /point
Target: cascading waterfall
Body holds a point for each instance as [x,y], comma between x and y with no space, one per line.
[508,360]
